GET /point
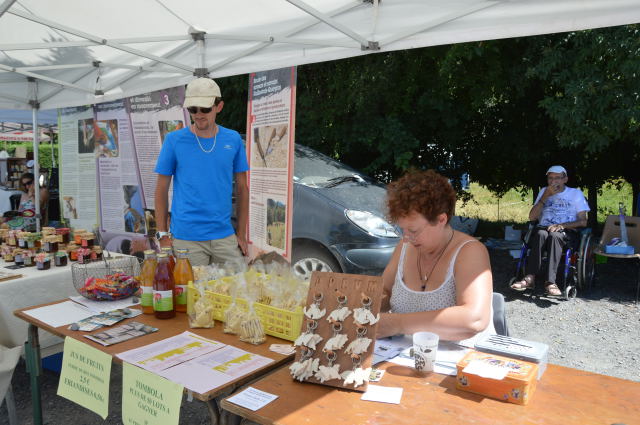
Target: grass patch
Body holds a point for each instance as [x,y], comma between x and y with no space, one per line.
[513,208]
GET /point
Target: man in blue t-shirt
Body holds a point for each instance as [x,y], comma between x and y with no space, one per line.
[560,210]
[203,160]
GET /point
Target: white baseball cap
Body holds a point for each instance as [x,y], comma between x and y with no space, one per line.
[557,169]
[201,92]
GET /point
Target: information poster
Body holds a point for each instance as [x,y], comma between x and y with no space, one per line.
[121,200]
[149,399]
[78,166]
[85,376]
[270,150]
[153,115]
[125,172]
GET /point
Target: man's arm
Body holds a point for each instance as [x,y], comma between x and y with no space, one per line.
[581,221]
[242,210]
[162,206]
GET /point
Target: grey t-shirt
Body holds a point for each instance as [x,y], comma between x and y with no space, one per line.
[562,207]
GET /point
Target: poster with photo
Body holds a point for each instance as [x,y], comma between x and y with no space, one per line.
[270,149]
[77,140]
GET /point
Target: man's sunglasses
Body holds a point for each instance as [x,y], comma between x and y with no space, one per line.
[194,110]
[29,183]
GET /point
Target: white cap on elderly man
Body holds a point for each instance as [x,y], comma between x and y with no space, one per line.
[557,169]
[201,92]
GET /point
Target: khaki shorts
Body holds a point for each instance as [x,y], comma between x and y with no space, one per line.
[218,251]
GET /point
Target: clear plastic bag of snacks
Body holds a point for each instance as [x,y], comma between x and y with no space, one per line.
[202,314]
[251,329]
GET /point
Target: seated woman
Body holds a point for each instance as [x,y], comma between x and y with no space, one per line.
[438,280]
[27,206]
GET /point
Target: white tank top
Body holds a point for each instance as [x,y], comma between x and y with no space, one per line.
[405,300]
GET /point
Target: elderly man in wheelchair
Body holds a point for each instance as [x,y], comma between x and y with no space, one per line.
[561,212]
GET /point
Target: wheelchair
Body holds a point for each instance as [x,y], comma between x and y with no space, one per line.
[577,264]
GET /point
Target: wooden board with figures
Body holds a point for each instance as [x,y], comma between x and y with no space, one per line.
[335,347]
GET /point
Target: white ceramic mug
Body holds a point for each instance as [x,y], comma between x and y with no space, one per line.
[424,350]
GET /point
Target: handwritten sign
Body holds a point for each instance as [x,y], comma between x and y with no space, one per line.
[148,399]
[85,376]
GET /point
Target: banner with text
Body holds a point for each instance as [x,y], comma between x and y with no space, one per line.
[270,151]
[78,166]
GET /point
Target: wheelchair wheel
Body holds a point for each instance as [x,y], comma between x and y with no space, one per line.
[569,292]
[586,263]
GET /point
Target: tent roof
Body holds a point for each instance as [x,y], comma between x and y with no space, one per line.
[87,51]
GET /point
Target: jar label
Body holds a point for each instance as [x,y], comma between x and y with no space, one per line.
[163,300]
[181,294]
[146,300]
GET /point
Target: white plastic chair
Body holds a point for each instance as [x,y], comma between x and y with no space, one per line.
[8,360]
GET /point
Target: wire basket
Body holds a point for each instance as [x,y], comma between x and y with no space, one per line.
[113,278]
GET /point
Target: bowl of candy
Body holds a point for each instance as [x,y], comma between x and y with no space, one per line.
[107,280]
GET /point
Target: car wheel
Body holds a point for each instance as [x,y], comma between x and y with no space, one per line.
[309,259]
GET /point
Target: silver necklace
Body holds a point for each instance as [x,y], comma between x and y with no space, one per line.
[215,139]
[426,277]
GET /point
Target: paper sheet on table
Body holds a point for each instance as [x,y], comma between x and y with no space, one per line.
[252,399]
[104,306]
[170,352]
[447,358]
[211,370]
[60,314]
[382,394]
[388,348]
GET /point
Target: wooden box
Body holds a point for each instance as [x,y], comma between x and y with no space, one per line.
[517,386]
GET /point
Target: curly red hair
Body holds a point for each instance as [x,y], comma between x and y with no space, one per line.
[425,192]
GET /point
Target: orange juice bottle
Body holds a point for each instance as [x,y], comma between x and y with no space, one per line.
[172,260]
[146,280]
[163,289]
[182,275]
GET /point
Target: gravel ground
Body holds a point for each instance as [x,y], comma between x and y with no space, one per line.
[598,331]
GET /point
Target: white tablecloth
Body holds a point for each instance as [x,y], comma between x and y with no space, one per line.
[33,288]
[5,202]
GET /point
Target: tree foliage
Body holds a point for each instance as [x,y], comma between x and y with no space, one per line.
[502,110]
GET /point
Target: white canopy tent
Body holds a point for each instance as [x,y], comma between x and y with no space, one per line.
[57,54]
[81,52]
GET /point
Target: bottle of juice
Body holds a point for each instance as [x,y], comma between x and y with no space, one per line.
[172,260]
[182,275]
[163,289]
[146,280]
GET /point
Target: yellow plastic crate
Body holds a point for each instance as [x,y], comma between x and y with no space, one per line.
[276,322]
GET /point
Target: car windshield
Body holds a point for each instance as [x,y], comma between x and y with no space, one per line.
[315,169]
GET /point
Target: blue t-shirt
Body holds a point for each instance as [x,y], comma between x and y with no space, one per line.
[202,182]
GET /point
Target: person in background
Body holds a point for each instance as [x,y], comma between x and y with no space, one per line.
[438,279]
[560,210]
[27,207]
[203,160]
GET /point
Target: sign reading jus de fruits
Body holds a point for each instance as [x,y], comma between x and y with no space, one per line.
[85,376]
[149,399]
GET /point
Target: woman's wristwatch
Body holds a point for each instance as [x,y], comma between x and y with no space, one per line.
[160,235]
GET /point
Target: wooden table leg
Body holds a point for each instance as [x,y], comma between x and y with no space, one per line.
[34,368]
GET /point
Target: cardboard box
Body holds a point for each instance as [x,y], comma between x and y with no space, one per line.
[516,386]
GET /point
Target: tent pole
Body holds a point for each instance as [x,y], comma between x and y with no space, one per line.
[36,142]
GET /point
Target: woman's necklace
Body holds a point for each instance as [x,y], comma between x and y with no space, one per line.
[215,139]
[425,279]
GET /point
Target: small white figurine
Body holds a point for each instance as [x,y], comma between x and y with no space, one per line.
[308,340]
[314,312]
[339,314]
[327,373]
[358,346]
[336,342]
[304,369]
[362,316]
[356,377]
